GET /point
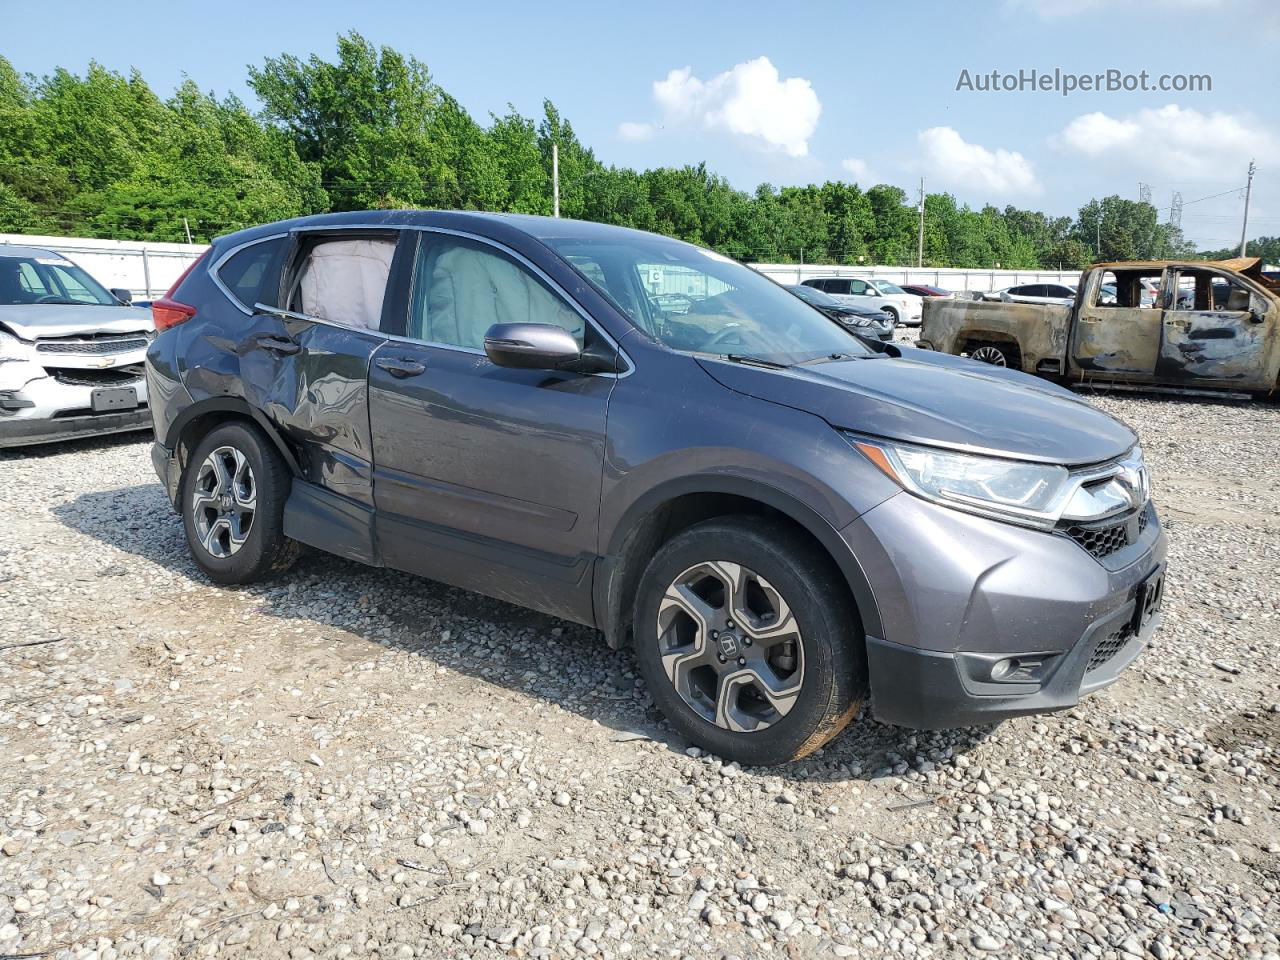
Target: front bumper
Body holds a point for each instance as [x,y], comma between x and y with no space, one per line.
[37,408]
[961,598]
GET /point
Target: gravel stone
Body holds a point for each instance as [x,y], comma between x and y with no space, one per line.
[495,782]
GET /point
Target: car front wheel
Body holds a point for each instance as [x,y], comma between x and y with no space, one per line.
[233,493]
[748,642]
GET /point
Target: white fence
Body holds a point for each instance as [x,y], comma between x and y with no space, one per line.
[148,269]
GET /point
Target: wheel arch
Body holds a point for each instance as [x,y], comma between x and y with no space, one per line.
[204,415]
[673,506]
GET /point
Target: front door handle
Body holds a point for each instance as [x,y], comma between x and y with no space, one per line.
[401,367]
[281,345]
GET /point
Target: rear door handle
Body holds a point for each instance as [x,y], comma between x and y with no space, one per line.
[281,345]
[401,367]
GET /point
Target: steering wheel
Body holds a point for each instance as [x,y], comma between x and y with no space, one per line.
[733,329]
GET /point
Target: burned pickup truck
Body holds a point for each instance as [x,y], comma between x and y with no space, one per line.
[1180,326]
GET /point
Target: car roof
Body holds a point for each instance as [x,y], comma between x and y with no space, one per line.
[14,251]
[539,228]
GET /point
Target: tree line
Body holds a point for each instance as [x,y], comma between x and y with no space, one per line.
[102,155]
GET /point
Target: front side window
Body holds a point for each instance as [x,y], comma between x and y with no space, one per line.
[731,308]
[463,287]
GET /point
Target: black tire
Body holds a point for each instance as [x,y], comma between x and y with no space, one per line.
[265,551]
[996,353]
[833,682]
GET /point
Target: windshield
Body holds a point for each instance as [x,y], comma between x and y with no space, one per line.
[889,288]
[697,301]
[49,280]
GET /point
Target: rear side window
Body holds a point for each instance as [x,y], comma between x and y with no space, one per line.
[344,281]
[253,274]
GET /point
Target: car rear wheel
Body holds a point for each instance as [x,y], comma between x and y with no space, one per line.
[232,497]
[996,354]
[748,642]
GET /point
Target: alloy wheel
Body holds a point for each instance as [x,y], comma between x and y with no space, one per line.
[730,646]
[988,354]
[223,501]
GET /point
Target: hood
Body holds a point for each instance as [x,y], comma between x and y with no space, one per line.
[34,321]
[933,398]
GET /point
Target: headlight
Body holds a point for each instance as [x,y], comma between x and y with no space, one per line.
[1028,493]
[859,321]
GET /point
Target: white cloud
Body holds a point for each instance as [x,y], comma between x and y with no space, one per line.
[1174,141]
[635,132]
[860,170]
[750,100]
[948,157]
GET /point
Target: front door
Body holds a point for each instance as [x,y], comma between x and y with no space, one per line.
[1217,334]
[486,477]
[1114,337]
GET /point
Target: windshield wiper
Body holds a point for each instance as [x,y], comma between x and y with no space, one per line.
[830,358]
[754,361]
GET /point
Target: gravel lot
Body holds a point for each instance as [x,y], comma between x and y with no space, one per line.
[350,762]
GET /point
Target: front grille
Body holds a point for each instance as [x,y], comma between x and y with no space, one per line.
[1108,647]
[94,346]
[114,377]
[1101,542]
[1142,519]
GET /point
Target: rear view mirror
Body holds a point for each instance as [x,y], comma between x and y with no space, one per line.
[121,294]
[530,346]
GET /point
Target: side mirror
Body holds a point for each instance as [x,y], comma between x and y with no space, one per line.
[530,346]
[121,294]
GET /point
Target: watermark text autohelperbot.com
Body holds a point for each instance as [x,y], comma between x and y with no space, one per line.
[1066,83]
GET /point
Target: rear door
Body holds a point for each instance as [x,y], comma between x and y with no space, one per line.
[1114,337]
[305,357]
[487,477]
[1218,335]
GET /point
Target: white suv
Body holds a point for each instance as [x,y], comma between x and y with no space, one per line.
[904,307]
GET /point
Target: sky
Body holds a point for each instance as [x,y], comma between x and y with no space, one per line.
[791,93]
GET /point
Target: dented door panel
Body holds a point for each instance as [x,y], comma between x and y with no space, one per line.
[1119,342]
[317,396]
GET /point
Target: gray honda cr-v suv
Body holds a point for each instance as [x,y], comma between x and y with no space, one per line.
[641,435]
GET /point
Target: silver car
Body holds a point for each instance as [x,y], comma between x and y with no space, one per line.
[71,352]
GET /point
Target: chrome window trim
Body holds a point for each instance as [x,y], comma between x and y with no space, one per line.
[216,268]
[396,338]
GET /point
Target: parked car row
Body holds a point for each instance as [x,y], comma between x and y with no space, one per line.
[905,308]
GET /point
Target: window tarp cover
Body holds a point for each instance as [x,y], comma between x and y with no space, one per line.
[344,281]
[472,290]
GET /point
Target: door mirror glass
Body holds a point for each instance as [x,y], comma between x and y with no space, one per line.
[531,346]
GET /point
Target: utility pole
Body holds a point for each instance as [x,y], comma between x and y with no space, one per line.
[555,179]
[1244,227]
[187,227]
[920,243]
